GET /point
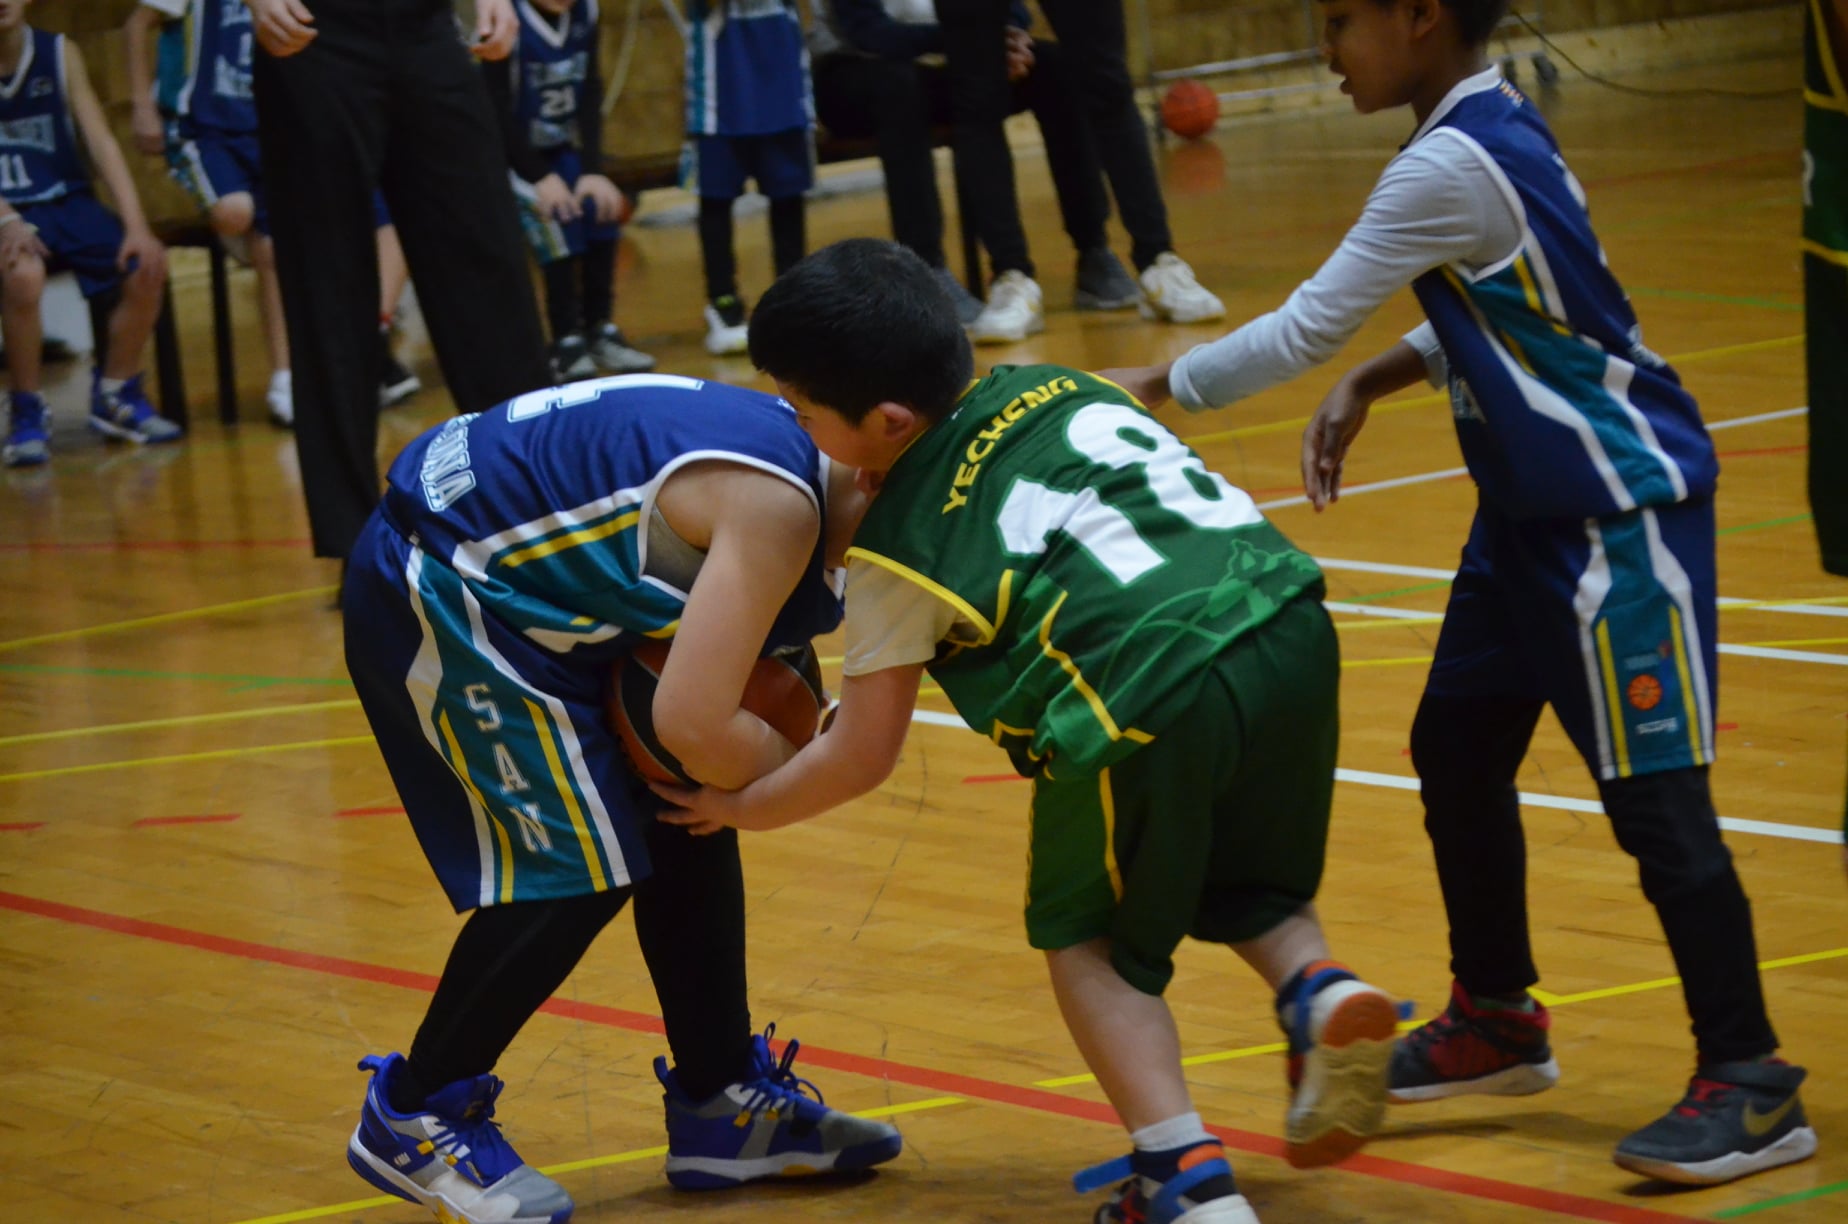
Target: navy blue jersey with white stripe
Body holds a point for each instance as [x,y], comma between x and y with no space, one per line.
[551,61]
[1561,410]
[543,504]
[747,68]
[40,157]
[204,67]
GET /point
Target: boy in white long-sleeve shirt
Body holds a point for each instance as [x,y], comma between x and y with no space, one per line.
[1587,582]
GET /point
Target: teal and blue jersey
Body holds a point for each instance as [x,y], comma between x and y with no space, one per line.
[41,157]
[747,71]
[203,76]
[1561,410]
[551,62]
[543,504]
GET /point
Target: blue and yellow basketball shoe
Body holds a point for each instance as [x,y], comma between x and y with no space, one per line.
[765,1126]
[28,435]
[128,415]
[451,1158]
[1202,1170]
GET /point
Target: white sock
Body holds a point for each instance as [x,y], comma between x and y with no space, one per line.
[281,379]
[1184,1130]
[111,386]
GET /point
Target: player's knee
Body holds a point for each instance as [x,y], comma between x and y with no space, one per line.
[24,281]
[233,215]
[1666,822]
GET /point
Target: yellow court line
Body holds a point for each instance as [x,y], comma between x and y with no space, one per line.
[1835,641]
[141,622]
[1611,992]
[216,755]
[187,720]
[574,1166]
[1426,401]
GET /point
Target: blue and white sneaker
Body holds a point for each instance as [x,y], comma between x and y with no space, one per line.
[450,1158]
[1142,1200]
[28,437]
[1341,1034]
[765,1127]
[127,414]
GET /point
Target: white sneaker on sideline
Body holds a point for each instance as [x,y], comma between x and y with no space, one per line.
[1015,311]
[281,399]
[1170,293]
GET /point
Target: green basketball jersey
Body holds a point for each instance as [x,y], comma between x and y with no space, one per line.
[1100,563]
[1825,142]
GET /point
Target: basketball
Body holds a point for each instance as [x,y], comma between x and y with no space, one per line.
[784,690]
[1189,109]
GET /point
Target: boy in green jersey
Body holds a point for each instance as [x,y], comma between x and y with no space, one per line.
[1149,650]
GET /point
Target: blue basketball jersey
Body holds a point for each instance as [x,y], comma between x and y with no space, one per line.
[1561,410]
[40,156]
[550,62]
[747,69]
[543,504]
[204,66]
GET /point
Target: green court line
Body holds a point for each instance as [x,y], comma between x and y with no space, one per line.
[1776,522]
[1784,1200]
[1722,299]
[131,673]
[1409,590]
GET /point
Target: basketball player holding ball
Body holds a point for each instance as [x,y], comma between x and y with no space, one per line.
[519,554]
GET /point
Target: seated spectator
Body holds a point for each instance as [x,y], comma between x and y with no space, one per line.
[879,73]
[51,220]
[549,93]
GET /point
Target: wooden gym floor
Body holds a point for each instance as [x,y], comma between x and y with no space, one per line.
[210,907]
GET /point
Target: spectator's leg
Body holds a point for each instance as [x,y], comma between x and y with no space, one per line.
[1070,154]
[788,231]
[20,294]
[132,322]
[393,273]
[447,189]
[269,300]
[1096,48]
[562,298]
[597,272]
[321,119]
[856,98]
[715,248]
[975,41]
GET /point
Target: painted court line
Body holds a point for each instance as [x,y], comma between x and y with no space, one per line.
[187,720]
[948,1083]
[219,754]
[141,622]
[148,822]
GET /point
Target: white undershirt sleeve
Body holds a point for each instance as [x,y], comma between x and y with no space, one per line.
[1438,202]
[890,621]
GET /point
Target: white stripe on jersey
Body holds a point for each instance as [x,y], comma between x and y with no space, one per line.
[423,682]
[1674,580]
[1594,588]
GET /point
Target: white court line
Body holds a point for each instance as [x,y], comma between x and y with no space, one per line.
[1364,777]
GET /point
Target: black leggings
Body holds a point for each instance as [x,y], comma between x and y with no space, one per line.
[1466,751]
[509,959]
[580,290]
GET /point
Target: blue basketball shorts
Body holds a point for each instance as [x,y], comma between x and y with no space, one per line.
[550,238]
[716,167]
[211,165]
[514,784]
[83,237]
[1610,621]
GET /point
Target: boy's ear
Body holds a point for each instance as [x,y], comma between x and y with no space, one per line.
[893,421]
[1424,15]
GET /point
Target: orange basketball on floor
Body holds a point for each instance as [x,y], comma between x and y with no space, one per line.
[1189,109]
[784,690]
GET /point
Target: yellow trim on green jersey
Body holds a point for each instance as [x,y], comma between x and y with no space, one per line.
[1823,252]
[1100,711]
[983,625]
[1826,52]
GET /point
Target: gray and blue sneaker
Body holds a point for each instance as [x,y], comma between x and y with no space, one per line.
[450,1157]
[765,1126]
[126,413]
[612,353]
[28,436]
[1103,283]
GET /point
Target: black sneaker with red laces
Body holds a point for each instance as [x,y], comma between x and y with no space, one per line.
[1471,1049]
[1737,1119]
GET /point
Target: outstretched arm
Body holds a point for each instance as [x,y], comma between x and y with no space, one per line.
[854,755]
[1338,421]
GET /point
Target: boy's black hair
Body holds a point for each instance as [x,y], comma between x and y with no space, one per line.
[1476,19]
[860,323]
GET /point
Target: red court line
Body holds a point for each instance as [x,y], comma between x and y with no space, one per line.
[993,778]
[1039,1099]
[23,826]
[372,811]
[150,821]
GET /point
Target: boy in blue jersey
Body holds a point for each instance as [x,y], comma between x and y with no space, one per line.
[516,555]
[1587,582]
[200,115]
[549,94]
[51,221]
[750,115]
